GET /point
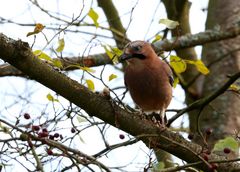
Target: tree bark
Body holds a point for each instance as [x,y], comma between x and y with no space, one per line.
[222,115]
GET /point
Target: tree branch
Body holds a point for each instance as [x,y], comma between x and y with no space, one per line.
[164,45]
[18,54]
[206,100]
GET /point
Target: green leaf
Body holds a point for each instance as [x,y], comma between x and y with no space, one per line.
[170,24]
[90,84]
[61,45]
[87,69]
[176,81]
[42,55]
[111,77]
[51,98]
[228,142]
[157,38]
[178,64]
[57,63]
[159,166]
[201,67]
[113,54]
[94,16]
[81,119]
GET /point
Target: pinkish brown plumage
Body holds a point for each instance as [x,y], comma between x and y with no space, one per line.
[148,78]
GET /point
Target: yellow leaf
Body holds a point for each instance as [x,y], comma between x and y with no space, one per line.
[90,84]
[157,38]
[176,81]
[38,28]
[57,63]
[94,16]
[87,69]
[61,44]
[234,87]
[170,24]
[178,64]
[42,55]
[113,54]
[51,98]
[201,67]
[111,77]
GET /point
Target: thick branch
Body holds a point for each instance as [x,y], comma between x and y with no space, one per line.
[114,21]
[164,45]
[18,54]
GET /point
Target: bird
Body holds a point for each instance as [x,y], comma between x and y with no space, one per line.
[148,78]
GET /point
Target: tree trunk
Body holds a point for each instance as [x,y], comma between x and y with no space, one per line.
[222,115]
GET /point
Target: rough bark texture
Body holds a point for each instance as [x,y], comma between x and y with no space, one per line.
[223,113]
[19,54]
[114,22]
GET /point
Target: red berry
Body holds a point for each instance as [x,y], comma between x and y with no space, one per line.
[205,157]
[190,136]
[43,134]
[73,130]
[56,135]
[27,116]
[209,131]
[226,150]
[213,167]
[121,136]
[35,128]
[49,152]
[208,152]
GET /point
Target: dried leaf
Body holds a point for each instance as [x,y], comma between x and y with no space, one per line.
[38,28]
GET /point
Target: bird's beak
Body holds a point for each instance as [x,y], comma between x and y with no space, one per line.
[124,57]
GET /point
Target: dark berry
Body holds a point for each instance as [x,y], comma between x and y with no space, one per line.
[56,135]
[27,116]
[61,137]
[190,136]
[51,137]
[73,130]
[35,128]
[44,130]
[49,152]
[121,136]
[226,150]
[209,131]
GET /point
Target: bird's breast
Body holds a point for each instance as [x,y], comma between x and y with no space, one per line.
[148,87]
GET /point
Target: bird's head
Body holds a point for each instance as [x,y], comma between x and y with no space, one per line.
[140,50]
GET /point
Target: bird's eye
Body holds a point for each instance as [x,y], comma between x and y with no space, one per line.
[137,48]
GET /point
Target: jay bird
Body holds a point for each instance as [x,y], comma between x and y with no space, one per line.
[148,78]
